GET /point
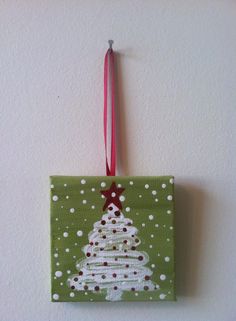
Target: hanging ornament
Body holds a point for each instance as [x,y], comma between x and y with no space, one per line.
[112,237]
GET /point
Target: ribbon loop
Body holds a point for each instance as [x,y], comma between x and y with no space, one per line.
[109,131]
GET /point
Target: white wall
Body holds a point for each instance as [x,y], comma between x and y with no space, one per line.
[177,75]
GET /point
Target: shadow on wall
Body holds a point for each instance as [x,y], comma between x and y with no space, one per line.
[189,205]
[121,125]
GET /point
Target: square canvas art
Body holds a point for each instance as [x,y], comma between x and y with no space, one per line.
[112,238]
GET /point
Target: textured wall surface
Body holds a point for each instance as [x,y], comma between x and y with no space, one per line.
[176,84]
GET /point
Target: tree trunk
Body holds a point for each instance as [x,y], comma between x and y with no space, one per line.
[114,295]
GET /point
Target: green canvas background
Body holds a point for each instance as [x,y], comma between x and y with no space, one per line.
[156,234]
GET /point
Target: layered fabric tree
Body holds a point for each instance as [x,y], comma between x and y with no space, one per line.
[113,264]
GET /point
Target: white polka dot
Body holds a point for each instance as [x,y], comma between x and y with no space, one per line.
[82,191]
[84,201]
[168,240]
[136,294]
[154,192]
[55,198]
[102,196]
[55,296]
[79,233]
[153,265]
[163,185]
[146,186]
[143,224]
[171,227]
[103,184]
[65,185]
[131,183]
[162,296]
[150,246]
[72,294]
[65,234]
[169,197]
[140,196]
[93,189]
[83,181]
[72,210]
[152,236]
[119,185]
[93,207]
[172,180]
[113,194]
[167,259]
[67,250]
[56,255]
[61,283]
[156,199]
[122,198]
[151,217]
[52,186]
[162,277]
[127,209]
[168,212]
[85,293]
[68,271]
[158,254]
[150,297]
[67,197]
[58,274]
[57,263]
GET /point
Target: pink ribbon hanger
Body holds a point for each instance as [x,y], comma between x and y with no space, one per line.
[109,91]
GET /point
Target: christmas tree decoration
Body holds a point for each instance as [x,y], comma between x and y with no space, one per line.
[112,237]
[112,262]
